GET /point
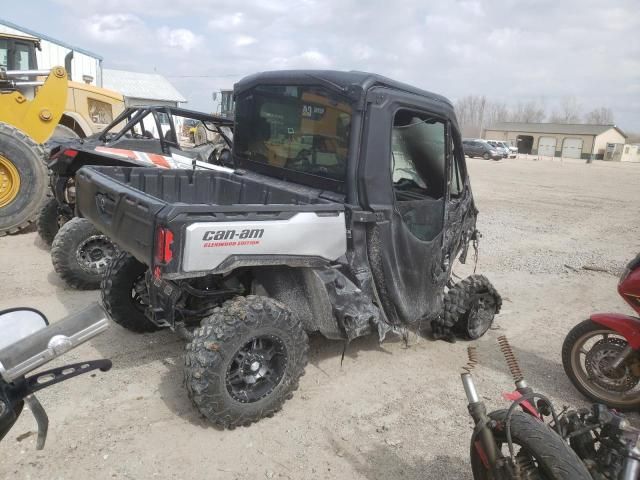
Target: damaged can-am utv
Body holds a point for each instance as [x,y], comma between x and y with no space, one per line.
[140,136]
[347,204]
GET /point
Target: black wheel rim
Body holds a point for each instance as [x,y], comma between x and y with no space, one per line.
[481,315]
[257,368]
[140,293]
[95,253]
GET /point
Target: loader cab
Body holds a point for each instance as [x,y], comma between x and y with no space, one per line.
[18,52]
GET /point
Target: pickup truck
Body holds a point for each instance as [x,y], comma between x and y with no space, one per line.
[347,202]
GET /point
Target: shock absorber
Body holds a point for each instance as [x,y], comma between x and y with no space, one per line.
[512,364]
[483,436]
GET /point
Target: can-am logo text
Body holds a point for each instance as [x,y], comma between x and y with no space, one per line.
[233,234]
[232,238]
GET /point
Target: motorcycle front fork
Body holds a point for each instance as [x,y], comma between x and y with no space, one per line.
[482,432]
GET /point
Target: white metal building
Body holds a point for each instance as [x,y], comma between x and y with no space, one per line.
[558,139]
[84,64]
[140,89]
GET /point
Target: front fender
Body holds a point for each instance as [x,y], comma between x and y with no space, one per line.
[625,325]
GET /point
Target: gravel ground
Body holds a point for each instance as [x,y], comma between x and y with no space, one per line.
[391,410]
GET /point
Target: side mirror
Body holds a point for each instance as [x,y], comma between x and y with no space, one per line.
[18,323]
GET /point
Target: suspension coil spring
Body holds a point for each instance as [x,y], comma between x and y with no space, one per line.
[472,355]
[510,357]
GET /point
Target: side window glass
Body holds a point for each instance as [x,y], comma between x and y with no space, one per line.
[418,153]
[456,181]
[4,54]
[21,58]
[418,171]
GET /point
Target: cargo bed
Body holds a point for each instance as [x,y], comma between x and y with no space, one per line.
[129,204]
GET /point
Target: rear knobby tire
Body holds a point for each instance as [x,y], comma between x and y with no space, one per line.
[470,306]
[73,237]
[216,345]
[555,458]
[49,220]
[28,159]
[123,304]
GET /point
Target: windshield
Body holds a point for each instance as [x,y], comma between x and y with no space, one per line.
[294,128]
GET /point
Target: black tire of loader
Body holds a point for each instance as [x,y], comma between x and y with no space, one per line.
[49,220]
[555,458]
[28,157]
[459,301]
[63,254]
[217,341]
[116,293]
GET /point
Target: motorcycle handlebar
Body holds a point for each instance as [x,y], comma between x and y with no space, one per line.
[44,345]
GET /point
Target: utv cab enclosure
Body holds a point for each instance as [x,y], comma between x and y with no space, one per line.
[346,205]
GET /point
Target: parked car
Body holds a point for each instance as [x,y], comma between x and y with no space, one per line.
[480,148]
[511,151]
[499,147]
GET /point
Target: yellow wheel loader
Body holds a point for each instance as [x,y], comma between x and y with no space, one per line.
[34,104]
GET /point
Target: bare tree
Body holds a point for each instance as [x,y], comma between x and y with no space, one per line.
[533,111]
[470,111]
[599,116]
[496,113]
[568,111]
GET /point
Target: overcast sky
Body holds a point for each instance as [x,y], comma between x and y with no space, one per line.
[508,50]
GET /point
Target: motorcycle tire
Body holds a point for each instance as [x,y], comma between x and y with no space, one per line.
[541,448]
[571,350]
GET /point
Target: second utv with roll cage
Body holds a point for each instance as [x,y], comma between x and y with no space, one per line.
[346,205]
[140,136]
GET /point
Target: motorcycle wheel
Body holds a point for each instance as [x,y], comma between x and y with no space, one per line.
[540,452]
[587,351]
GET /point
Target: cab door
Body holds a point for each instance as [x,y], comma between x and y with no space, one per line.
[404,178]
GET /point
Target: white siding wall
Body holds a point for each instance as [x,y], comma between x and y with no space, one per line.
[53,55]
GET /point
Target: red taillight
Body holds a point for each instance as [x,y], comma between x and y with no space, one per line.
[163,252]
[69,152]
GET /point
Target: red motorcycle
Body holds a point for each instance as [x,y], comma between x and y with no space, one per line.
[601,355]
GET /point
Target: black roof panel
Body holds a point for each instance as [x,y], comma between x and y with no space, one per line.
[347,82]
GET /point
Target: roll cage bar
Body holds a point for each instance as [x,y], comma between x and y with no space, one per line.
[134,116]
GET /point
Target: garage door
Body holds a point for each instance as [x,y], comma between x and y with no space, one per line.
[547,146]
[572,148]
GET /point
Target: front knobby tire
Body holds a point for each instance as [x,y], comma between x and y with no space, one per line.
[470,306]
[81,253]
[243,336]
[124,294]
[554,458]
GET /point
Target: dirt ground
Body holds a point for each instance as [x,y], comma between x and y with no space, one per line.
[390,411]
